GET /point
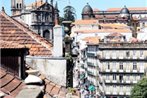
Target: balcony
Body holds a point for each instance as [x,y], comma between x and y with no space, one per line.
[134,71]
[108,92]
[107,57]
[90,64]
[141,70]
[134,81]
[114,93]
[114,81]
[107,70]
[107,81]
[128,93]
[134,57]
[121,57]
[121,93]
[128,81]
[114,70]
[91,54]
[128,70]
[90,73]
[141,57]
[114,57]
[122,45]
[121,70]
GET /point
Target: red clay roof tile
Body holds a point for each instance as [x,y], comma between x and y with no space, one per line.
[13,31]
[130,8]
[10,85]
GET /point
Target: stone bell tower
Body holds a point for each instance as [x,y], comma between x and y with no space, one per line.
[17,7]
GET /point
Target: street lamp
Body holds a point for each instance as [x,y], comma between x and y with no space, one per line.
[125,14]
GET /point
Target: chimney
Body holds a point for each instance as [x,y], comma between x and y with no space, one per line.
[58,32]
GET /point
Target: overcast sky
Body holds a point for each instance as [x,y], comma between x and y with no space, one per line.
[79,4]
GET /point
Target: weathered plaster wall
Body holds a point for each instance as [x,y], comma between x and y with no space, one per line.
[53,68]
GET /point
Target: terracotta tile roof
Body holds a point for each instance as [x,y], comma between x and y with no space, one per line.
[115,34]
[14,32]
[37,4]
[9,84]
[10,45]
[92,21]
[104,31]
[114,25]
[130,8]
[92,40]
[133,40]
[95,10]
[53,89]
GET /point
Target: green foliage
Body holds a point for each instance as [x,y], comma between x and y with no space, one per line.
[71,90]
[140,89]
[68,57]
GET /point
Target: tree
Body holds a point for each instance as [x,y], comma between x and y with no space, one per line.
[140,89]
[69,13]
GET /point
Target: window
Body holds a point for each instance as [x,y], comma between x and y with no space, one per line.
[17,5]
[134,66]
[46,34]
[121,78]
[107,77]
[127,54]
[121,65]
[128,77]
[141,53]
[114,65]
[141,66]
[108,65]
[135,78]
[114,77]
[20,5]
[134,52]
[143,24]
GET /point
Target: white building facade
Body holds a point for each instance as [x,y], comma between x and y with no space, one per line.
[121,65]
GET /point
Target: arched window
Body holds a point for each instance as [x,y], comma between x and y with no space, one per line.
[46,34]
[20,5]
[17,5]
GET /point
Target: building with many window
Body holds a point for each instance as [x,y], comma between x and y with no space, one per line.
[120,64]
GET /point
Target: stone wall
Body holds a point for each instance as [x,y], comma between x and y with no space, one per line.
[53,68]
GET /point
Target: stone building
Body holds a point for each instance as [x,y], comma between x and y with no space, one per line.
[40,16]
[136,16]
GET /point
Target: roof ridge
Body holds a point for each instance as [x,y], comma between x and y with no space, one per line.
[28,31]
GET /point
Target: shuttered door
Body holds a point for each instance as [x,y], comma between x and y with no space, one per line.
[10,63]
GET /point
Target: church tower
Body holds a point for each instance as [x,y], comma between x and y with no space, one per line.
[17,7]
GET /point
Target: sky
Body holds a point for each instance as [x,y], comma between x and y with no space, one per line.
[79,4]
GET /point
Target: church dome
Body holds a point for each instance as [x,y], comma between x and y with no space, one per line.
[125,12]
[87,9]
